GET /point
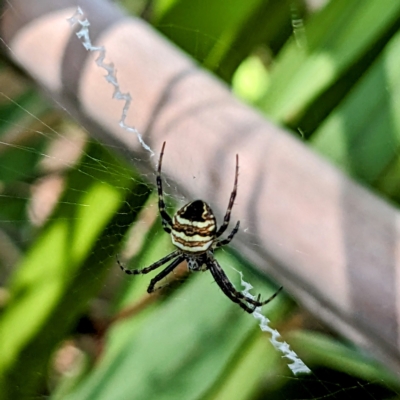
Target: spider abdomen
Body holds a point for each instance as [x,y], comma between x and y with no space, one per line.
[193,227]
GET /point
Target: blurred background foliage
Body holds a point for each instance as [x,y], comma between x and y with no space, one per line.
[72,327]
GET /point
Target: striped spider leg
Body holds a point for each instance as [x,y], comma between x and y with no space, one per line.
[194,233]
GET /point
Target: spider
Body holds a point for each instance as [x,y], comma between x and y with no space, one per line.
[194,233]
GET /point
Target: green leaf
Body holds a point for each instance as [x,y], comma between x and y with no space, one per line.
[319,349]
[64,269]
[339,44]
[187,347]
[221,34]
[250,80]
[362,135]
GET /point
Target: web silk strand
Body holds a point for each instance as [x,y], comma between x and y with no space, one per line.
[111,76]
[296,364]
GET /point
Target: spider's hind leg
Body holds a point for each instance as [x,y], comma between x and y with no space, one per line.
[227,217]
[224,242]
[165,218]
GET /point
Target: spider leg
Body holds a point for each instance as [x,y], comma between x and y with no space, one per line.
[165,218]
[227,287]
[164,273]
[157,264]
[227,217]
[224,242]
[263,303]
[236,296]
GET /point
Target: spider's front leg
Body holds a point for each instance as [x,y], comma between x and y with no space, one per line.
[226,286]
[164,273]
[236,296]
[152,267]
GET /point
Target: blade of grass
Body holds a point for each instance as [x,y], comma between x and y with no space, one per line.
[188,345]
[362,136]
[64,269]
[337,38]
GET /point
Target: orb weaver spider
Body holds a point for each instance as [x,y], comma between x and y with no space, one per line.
[195,235]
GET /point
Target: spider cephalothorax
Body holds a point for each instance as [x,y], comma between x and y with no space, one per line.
[194,233]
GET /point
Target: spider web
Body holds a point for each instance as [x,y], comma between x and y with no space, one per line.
[61,158]
[296,365]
